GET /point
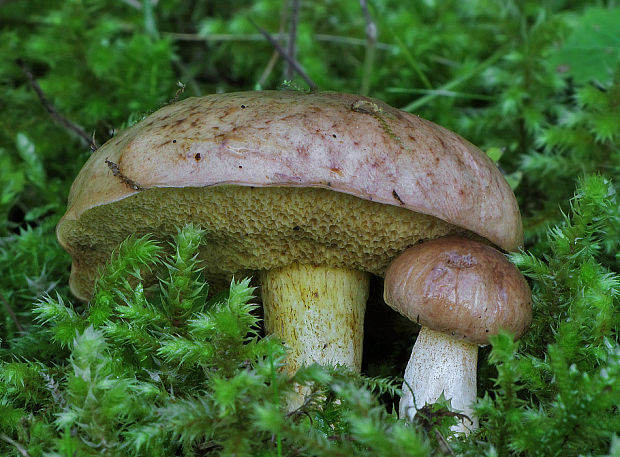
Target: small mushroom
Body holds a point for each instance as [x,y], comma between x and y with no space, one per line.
[313,192]
[461,292]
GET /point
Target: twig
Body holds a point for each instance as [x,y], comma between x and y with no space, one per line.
[11,313]
[180,90]
[59,118]
[116,171]
[18,446]
[444,447]
[285,55]
[292,37]
[371,45]
[336,39]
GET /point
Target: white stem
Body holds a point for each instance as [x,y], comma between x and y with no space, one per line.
[440,363]
[318,312]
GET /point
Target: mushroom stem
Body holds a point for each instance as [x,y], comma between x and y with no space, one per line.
[318,311]
[441,364]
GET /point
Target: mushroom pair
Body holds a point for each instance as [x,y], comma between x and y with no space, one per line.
[312,191]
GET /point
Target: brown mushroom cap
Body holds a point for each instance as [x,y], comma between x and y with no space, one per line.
[283,177]
[459,287]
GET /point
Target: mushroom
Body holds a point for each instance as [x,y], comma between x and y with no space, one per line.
[461,292]
[312,191]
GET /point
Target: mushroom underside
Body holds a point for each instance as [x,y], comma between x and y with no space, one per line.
[250,229]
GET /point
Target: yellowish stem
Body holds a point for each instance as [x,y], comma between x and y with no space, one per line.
[318,312]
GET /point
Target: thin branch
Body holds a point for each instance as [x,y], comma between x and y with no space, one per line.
[336,39]
[444,447]
[292,38]
[11,313]
[59,118]
[351,41]
[285,55]
[371,45]
[14,443]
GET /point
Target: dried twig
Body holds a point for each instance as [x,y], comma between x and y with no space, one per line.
[371,46]
[180,90]
[14,443]
[292,37]
[325,37]
[116,171]
[444,447]
[11,313]
[59,118]
[285,55]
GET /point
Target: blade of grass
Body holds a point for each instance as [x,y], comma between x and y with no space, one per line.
[412,62]
[276,398]
[416,104]
[150,25]
[439,93]
[371,46]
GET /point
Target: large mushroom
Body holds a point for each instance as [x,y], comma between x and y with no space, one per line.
[313,191]
[461,292]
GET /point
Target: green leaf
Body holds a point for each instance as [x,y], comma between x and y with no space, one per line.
[592,51]
[495,154]
[27,151]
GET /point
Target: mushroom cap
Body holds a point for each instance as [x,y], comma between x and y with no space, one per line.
[459,287]
[282,176]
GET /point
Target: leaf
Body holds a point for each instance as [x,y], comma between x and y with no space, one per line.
[11,180]
[27,151]
[592,50]
[495,154]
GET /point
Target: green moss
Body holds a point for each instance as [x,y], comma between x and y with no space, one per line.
[166,370]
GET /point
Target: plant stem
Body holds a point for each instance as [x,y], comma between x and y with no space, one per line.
[292,38]
[276,399]
[455,82]
[11,313]
[371,45]
[284,54]
[68,125]
[413,62]
[336,39]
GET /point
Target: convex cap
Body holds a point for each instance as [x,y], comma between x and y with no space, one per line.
[459,287]
[282,177]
